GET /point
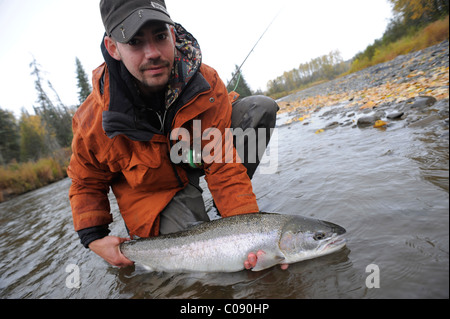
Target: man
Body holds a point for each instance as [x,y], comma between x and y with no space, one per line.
[152,84]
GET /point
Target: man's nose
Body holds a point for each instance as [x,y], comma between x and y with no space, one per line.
[151,51]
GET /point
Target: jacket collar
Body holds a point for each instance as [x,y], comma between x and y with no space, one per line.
[188,58]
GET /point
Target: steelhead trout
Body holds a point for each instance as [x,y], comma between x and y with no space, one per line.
[223,245]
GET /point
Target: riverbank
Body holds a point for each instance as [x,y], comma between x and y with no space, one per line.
[391,87]
[19,178]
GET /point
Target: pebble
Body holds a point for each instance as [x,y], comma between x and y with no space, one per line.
[426,121]
[422,102]
[395,115]
[367,120]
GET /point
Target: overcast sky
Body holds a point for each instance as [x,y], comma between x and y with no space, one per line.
[56,31]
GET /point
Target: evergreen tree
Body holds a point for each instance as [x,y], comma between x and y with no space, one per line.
[238,84]
[9,137]
[84,87]
[56,119]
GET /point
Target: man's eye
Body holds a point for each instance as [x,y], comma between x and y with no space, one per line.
[133,42]
[162,36]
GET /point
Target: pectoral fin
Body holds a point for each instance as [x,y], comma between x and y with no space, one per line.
[267,260]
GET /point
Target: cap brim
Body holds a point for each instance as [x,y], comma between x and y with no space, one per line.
[125,31]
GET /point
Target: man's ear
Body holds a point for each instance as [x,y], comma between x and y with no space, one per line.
[174,38]
[111,46]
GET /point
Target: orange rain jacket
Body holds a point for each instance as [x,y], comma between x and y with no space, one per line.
[140,172]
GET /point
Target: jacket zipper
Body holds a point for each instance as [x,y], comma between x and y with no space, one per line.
[162,120]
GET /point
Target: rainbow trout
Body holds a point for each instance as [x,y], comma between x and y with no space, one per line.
[223,245]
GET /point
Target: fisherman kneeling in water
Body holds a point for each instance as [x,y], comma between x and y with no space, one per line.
[153,81]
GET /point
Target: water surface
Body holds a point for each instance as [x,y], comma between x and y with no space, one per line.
[388,188]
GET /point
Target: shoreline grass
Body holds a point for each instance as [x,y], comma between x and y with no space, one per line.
[20,178]
[434,33]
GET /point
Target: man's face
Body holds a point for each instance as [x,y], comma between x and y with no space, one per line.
[149,56]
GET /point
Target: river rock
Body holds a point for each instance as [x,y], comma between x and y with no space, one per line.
[395,115]
[368,120]
[332,125]
[422,102]
[443,108]
[426,121]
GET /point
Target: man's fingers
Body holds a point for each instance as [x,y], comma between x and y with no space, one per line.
[252,260]
[109,249]
[260,253]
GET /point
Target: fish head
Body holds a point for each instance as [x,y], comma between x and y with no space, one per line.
[305,238]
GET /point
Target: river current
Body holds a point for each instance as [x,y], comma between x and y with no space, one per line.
[387,187]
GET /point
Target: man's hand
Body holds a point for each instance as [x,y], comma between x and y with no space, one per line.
[252,259]
[108,249]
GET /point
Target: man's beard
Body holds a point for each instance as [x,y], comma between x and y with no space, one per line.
[147,83]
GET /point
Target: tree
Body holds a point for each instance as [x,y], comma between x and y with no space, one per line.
[275,86]
[32,137]
[56,118]
[325,67]
[9,137]
[420,12]
[238,84]
[84,87]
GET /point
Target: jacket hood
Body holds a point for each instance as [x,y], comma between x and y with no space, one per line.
[121,117]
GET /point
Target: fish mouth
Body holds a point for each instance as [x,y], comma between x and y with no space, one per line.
[335,243]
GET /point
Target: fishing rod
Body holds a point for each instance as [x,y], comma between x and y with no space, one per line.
[251,51]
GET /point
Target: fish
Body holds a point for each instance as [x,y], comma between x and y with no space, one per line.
[223,245]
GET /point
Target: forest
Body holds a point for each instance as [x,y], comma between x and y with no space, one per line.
[35,149]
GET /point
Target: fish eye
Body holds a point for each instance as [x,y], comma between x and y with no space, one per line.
[319,236]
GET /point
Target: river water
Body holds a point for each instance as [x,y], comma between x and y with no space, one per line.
[388,188]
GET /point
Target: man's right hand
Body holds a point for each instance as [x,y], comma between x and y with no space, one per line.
[252,259]
[108,249]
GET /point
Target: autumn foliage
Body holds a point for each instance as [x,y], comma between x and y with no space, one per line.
[17,178]
[35,149]
[417,24]
[420,12]
[428,36]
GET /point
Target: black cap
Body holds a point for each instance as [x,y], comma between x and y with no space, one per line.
[123,18]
